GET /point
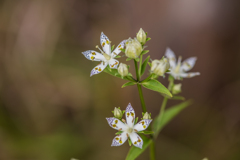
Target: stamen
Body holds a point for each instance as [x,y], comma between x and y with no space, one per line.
[99,49]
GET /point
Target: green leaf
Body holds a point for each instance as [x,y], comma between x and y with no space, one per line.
[148,39]
[118,56]
[129,142]
[114,72]
[144,65]
[112,47]
[134,152]
[123,50]
[136,119]
[178,98]
[150,64]
[119,132]
[168,115]
[129,84]
[137,59]
[144,52]
[155,85]
[146,132]
[128,59]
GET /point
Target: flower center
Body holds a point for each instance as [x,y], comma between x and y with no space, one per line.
[106,56]
[177,69]
[129,130]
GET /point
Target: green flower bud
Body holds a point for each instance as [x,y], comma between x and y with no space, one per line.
[176,88]
[159,67]
[141,36]
[133,48]
[147,116]
[117,113]
[123,69]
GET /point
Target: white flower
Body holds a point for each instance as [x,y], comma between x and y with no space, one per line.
[178,70]
[106,56]
[129,129]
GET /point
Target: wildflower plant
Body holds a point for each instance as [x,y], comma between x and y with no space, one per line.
[142,134]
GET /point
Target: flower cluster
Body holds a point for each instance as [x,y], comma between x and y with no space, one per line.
[134,49]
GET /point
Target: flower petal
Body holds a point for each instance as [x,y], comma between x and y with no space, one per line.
[119,139]
[171,57]
[93,55]
[117,50]
[189,75]
[105,43]
[99,68]
[136,140]
[130,115]
[142,125]
[113,63]
[188,64]
[116,124]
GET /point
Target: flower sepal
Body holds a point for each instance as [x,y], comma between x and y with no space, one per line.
[146,132]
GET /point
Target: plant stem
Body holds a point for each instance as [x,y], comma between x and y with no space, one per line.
[140,88]
[164,103]
[152,151]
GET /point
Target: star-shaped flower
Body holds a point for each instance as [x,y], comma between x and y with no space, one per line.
[178,70]
[129,130]
[106,56]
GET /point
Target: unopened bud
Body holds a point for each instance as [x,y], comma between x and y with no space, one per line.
[176,88]
[159,67]
[133,48]
[123,69]
[117,113]
[141,36]
[147,116]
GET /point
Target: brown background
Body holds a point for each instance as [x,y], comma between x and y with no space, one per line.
[50,109]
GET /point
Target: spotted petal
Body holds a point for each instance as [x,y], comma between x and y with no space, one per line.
[105,43]
[171,57]
[116,124]
[93,55]
[113,63]
[130,115]
[189,75]
[188,63]
[136,140]
[117,50]
[119,139]
[98,69]
[142,125]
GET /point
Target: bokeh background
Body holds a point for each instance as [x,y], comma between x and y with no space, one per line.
[50,109]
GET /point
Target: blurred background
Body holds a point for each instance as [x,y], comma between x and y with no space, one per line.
[50,109]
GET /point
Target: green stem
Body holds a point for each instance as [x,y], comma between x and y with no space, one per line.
[140,88]
[140,67]
[164,103]
[152,151]
[141,98]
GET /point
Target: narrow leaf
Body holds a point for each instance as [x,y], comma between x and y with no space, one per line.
[118,56]
[128,59]
[148,39]
[146,132]
[134,152]
[144,65]
[178,98]
[144,52]
[168,115]
[123,50]
[129,84]
[129,142]
[119,132]
[155,85]
[112,47]
[136,120]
